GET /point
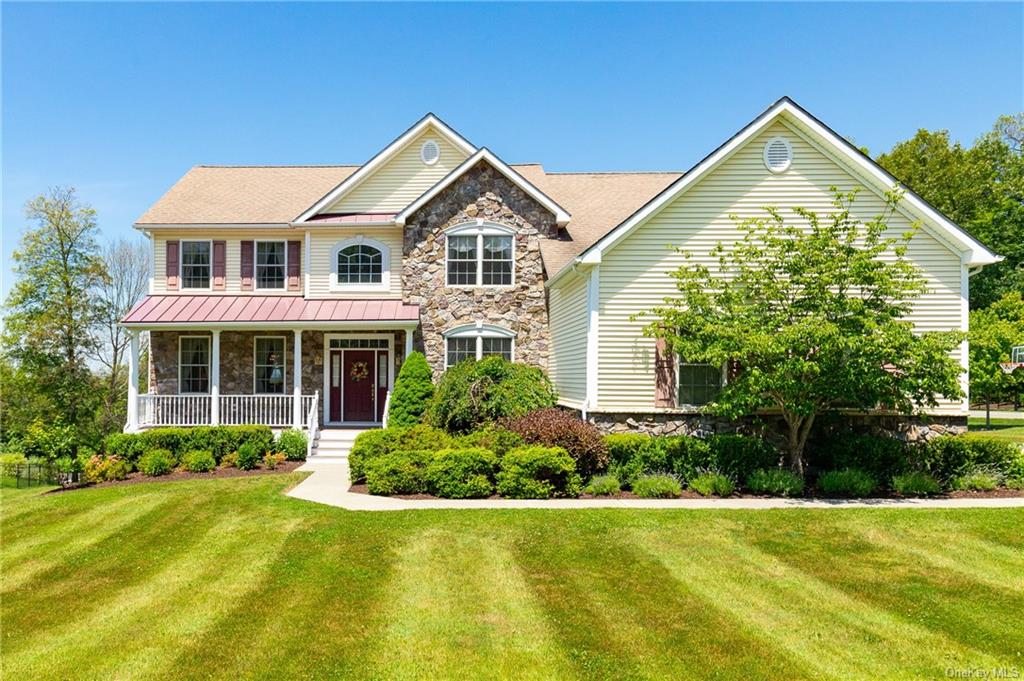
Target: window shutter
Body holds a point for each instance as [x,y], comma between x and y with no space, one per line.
[664,375]
[173,250]
[219,265]
[248,254]
[294,266]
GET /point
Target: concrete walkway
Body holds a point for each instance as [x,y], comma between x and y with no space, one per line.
[329,485]
[980,414]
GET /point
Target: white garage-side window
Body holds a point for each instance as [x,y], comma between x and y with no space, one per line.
[476,341]
[480,254]
[360,264]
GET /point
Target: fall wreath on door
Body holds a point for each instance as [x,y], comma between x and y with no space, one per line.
[359,372]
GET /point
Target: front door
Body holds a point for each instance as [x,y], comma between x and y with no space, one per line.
[359,381]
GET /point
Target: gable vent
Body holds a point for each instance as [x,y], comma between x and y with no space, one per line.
[778,155]
[430,152]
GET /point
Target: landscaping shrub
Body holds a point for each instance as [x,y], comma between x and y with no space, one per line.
[218,440]
[558,428]
[979,479]
[1014,483]
[624,447]
[9,463]
[272,460]
[686,456]
[462,473]
[740,455]
[880,456]
[229,460]
[99,468]
[199,461]
[248,456]
[1003,458]
[603,486]
[374,443]
[847,482]
[495,438]
[127,446]
[472,393]
[915,484]
[49,441]
[776,482]
[292,443]
[657,486]
[633,455]
[712,483]
[538,473]
[398,472]
[414,389]
[156,462]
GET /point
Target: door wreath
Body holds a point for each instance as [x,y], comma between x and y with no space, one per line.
[359,372]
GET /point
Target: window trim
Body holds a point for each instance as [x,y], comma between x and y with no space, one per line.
[284,364]
[480,228]
[680,364]
[479,331]
[256,265]
[209,361]
[385,265]
[181,265]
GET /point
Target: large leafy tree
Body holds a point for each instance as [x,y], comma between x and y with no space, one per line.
[980,187]
[811,313]
[53,307]
[995,330]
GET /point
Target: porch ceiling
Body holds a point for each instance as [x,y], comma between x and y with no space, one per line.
[212,310]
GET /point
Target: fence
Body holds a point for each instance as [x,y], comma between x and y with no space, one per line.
[35,475]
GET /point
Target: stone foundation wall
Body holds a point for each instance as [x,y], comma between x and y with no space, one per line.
[482,193]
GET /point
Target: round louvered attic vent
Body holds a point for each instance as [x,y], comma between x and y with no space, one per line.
[430,152]
[778,155]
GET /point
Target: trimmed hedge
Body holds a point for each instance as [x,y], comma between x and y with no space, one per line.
[558,428]
[156,462]
[880,456]
[414,389]
[371,444]
[497,439]
[292,443]
[199,461]
[218,440]
[398,472]
[462,473]
[538,473]
[633,455]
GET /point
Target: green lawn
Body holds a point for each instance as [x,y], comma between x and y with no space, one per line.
[229,578]
[1002,429]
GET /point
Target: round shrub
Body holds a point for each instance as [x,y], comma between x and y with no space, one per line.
[156,462]
[686,456]
[712,483]
[915,484]
[127,446]
[880,456]
[398,473]
[101,468]
[249,456]
[498,440]
[462,473]
[558,428]
[374,443]
[272,460]
[292,443]
[472,393]
[414,389]
[624,447]
[199,461]
[776,482]
[846,482]
[740,455]
[657,486]
[603,486]
[538,473]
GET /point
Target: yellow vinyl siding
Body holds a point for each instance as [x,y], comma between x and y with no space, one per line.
[567,364]
[634,272]
[401,180]
[233,257]
[322,243]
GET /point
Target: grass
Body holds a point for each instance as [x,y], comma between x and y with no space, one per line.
[229,578]
[1002,429]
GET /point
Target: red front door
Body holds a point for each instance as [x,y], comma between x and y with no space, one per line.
[359,381]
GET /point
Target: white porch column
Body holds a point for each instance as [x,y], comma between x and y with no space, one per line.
[297,380]
[408,343]
[133,382]
[215,379]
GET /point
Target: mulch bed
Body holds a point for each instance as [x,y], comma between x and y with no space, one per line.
[137,477]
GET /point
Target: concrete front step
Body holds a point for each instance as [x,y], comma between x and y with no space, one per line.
[335,443]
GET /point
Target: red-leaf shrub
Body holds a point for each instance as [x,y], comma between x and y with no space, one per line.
[558,428]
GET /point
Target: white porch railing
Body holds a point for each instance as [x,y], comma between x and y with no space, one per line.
[275,411]
[387,408]
[312,423]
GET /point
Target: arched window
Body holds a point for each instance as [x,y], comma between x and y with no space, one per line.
[476,341]
[360,263]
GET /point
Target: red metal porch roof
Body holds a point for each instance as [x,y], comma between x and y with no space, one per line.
[212,309]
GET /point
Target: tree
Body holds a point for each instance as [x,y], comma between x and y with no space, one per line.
[994,332]
[127,268]
[414,388]
[811,317]
[53,307]
[981,188]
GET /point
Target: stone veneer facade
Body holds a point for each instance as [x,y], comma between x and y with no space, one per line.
[481,193]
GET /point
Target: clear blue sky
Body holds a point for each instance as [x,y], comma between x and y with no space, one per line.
[120,100]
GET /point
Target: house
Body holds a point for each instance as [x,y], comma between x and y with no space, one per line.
[290,295]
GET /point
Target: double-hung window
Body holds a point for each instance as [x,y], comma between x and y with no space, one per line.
[194,364]
[481,254]
[195,264]
[477,342]
[269,365]
[699,384]
[271,264]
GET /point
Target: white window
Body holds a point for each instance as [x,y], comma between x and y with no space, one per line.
[698,384]
[195,264]
[360,264]
[477,341]
[481,254]
[271,264]
[269,377]
[193,364]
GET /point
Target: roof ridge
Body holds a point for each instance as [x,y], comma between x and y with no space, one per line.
[300,165]
[615,172]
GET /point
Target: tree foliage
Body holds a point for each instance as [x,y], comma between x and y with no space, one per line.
[812,312]
[414,388]
[995,330]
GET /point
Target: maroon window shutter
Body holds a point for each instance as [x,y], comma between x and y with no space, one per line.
[664,375]
[248,253]
[294,265]
[219,265]
[173,249]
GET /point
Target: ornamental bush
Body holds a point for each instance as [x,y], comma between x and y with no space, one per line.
[101,468]
[272,460]
[472,393]
[712,483]
[603,486]
[156,462]
[414,389]
[292,443]
[199,461]
[776,482]
[371,444]
[462,473]
[554,427]
[398,472]
[495,438]
[977,480]
[740,455]
[915,484]
[538,473]
[249,456]
[846,482]
[880,456]
[218,440]
[657,486]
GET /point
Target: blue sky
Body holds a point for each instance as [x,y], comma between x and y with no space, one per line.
[120,100]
